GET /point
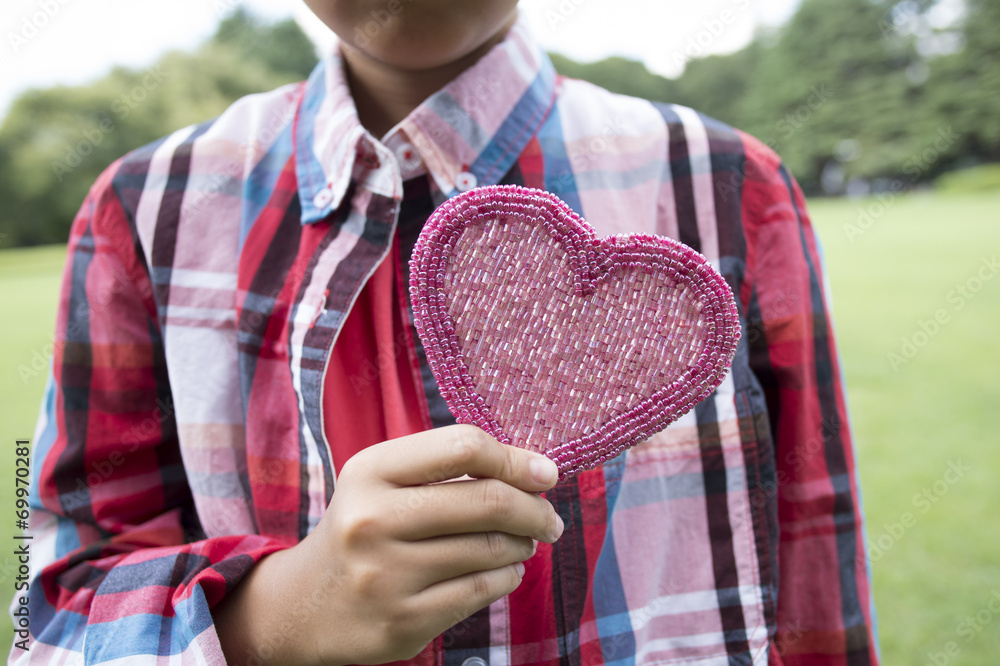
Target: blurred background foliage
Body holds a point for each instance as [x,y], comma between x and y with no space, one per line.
[856,95]
[55,142]
[851,93]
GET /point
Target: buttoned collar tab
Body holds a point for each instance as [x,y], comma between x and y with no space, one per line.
[328,138]
[473,130]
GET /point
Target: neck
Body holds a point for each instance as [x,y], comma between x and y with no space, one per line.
[384,94]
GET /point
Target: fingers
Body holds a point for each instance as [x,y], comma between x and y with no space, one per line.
[479,505]
[466,594]
[448,557]
[448,453]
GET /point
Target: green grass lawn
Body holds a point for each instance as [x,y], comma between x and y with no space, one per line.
[29,287]
[917,415]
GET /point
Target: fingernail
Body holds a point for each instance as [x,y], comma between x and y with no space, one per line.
[534,546]
[519,567]
[560,526]
[543,470]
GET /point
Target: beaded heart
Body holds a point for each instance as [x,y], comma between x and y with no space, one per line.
[554,340]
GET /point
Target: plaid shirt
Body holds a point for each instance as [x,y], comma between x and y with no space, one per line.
[182,437]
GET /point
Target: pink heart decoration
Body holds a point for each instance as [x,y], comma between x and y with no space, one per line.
[553,340]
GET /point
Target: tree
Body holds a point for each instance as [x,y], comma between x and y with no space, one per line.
[964,87]
[619,75]
[831,77]
[718,85]
[55,142]
[282,48]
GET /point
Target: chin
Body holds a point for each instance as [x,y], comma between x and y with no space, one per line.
[414,34]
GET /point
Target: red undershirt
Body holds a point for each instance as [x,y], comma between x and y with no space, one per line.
[372,390]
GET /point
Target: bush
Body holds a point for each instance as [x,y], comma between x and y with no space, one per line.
[983,178]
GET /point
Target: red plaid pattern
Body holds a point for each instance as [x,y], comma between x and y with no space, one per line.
[182,436]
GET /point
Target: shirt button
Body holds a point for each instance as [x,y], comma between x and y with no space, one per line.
[474,661]
[464,182]
[409,158]
[323,198]
[369,159]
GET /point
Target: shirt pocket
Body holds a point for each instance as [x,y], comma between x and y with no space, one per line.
[687,550]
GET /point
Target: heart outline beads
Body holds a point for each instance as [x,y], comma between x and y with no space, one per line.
[552,339]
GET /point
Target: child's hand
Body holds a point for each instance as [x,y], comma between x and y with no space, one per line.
[398,558]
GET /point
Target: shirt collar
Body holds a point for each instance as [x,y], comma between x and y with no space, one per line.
[477,124]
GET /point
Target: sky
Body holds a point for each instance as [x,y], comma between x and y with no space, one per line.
[50,42]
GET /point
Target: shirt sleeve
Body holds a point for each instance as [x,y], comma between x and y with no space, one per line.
[824,610]
[120,571]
